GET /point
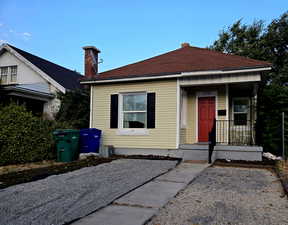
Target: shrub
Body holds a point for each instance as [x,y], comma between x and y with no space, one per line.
[75,108]
[24,137]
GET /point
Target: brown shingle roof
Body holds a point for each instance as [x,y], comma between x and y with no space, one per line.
[185,59]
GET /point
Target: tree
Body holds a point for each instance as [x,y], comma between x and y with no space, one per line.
[264,43]
[75,108]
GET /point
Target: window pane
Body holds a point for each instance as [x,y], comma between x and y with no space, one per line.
[134,120]
[13,78]
[13,70]
[3,79]
[240,119]
[4,70]
[241,105]
[136,102]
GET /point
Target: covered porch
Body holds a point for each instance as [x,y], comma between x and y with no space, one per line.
[228,110]
[35,97]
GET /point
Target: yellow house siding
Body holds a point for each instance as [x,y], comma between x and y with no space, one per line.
[183,136]
[161,137]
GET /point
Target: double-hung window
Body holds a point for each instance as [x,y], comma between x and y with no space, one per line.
[240,111]
[8,74]
[13,73]
[134,110]
[4,75]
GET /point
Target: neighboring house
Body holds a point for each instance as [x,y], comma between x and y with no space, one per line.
[29,79]
[166,105]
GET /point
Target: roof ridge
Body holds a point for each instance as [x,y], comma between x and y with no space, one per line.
[65,77]
[228,54]
[182,48]
[18,49]
[141,61]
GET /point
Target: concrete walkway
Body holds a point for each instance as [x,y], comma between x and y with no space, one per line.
[138,206]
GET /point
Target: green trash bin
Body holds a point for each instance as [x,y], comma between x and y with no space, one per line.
[67,144]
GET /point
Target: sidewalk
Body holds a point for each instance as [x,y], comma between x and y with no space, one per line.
[138,206]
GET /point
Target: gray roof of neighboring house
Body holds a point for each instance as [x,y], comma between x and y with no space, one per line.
[67,78]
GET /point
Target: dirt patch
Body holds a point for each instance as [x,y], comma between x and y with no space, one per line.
[150,157]
[22,173]
[282,172]
[27,166]
[28,175]
[267,164]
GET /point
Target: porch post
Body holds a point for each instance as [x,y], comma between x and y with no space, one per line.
[227,114]
[253,112]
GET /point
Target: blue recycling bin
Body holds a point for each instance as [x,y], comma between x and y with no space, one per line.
[89,140]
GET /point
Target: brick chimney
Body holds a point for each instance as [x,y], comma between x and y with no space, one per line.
[91,61]
[185,44]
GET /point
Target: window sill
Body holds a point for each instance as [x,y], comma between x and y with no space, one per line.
[132,132]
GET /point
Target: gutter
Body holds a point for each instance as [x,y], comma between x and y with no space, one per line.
[183,74]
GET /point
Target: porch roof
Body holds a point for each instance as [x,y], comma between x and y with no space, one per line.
[32,91]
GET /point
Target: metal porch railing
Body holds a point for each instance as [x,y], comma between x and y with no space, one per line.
[235,132]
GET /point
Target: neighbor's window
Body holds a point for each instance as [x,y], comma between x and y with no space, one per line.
[13,72]
[240,111]
[4,74]
[134,110]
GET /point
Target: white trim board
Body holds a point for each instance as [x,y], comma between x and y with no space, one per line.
[178,98]
[227,110]
[91,107]
[182,75]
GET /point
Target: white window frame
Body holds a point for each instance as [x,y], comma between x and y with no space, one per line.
[7,74]
[11,75]
[130,131]
[248,113]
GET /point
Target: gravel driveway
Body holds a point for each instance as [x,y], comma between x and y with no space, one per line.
[62,198]
[228,196]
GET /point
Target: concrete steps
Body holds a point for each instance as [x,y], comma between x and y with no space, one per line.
[195,152]
[200,152]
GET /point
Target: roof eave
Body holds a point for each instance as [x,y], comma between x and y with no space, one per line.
[183,74]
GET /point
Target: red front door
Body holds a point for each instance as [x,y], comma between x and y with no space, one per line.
[206,115]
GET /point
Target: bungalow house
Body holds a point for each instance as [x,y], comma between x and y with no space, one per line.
[167,105]
[29,79]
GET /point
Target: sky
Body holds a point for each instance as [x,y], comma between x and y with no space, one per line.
[125,31]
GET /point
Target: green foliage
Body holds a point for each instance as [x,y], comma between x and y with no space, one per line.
[271,44]
[24,137]
[75,108]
